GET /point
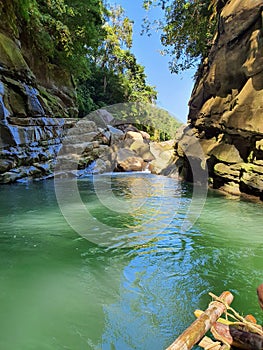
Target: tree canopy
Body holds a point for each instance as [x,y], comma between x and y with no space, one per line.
[117,76]
[187,29]
[87,39]
[61,32]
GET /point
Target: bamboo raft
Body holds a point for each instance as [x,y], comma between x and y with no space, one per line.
[232,332]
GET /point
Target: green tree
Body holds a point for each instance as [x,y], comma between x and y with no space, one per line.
[84,38]
[93,94]
[116,77]
[115,54]
[117,42]
[61,32]
[187,29]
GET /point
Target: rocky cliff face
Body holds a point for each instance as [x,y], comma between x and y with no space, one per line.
[226,107]
[34,103]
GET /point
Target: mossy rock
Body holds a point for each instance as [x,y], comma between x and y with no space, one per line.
[10,55]
[17,104]
[51,103]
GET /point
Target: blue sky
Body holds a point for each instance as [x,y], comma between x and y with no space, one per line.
[173,90]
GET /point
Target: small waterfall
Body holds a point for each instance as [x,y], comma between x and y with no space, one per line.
[146,169]
[4,113]
[34,104]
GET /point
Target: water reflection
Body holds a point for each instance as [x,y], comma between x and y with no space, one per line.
[139,205]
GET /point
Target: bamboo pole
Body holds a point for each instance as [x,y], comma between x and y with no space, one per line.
[195,332]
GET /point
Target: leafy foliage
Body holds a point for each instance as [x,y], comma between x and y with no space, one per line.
[147,117]
[158,123]
[117,77]
[86,39]
[187,29]
[61,32]
[102,88]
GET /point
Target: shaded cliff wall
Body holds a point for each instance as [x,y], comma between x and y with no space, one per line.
[34,101]
[226,106]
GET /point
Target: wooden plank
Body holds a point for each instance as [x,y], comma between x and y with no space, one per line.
[195,332]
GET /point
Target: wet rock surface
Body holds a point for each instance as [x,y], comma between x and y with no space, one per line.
[32,115]
[226,106]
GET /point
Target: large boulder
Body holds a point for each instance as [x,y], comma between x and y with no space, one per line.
[142,150]
[163,153]
[127,160]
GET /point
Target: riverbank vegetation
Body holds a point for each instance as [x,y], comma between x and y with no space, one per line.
[91,41]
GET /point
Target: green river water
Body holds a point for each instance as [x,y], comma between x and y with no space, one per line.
[137,281]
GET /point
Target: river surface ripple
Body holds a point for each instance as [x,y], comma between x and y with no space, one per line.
[132,276]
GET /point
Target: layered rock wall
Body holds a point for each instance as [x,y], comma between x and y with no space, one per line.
[226,106]
[33,108]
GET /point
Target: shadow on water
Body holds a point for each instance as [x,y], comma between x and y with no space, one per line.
[61,291]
